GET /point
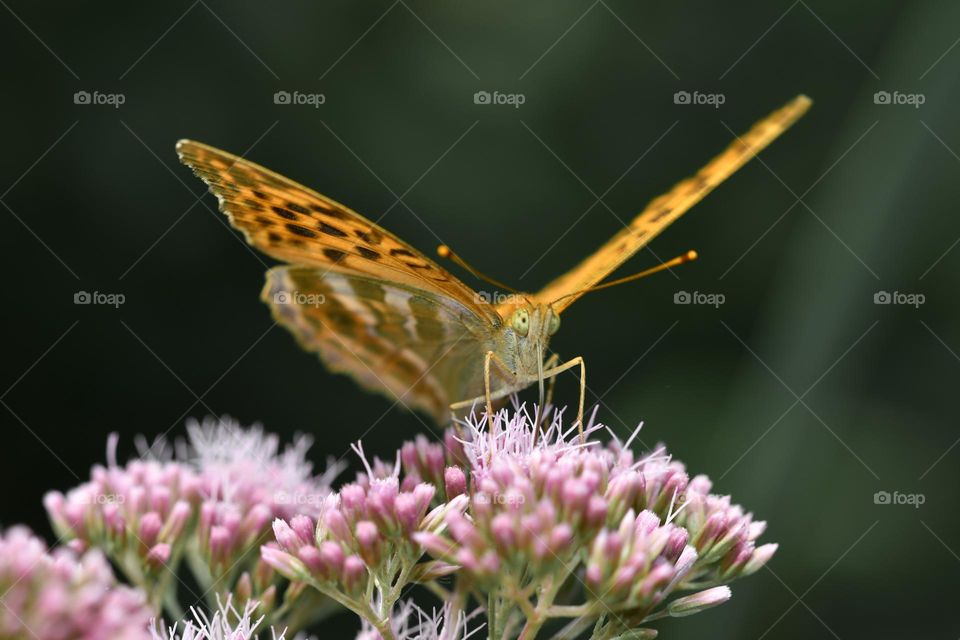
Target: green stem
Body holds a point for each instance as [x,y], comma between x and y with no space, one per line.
[572,611]
[434,588]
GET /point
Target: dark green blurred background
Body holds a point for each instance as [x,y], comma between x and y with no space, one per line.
[799,396]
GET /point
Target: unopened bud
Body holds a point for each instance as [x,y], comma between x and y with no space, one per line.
[689,605]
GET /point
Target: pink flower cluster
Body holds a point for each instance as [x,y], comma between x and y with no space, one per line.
[212,502]
[536,501]
[519,517]
[366,532]
[635,566]
[724,536]
[63,595]
[143,507]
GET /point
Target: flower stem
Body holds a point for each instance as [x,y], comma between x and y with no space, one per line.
[492,616]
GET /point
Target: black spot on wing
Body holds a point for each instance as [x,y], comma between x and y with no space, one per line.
[301,231]
[330,230]
[371,236]
[369,254]
[293,206]
[334,255]
[283,213]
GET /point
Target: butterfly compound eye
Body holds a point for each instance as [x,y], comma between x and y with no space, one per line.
[521,321]
[554,323]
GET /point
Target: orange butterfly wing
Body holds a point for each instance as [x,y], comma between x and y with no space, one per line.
[295,224]
[665,209]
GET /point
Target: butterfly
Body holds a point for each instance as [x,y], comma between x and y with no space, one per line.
[374,308]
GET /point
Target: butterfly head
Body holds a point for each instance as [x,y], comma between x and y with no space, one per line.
[536,322]
[528,328]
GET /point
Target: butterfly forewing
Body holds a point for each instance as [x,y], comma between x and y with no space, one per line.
[421,349]
[295,224]
[665,209]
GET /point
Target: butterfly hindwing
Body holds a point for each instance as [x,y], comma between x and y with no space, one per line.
[665,209]
[295,224]
[421,349]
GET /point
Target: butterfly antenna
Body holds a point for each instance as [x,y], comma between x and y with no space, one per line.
[446,252]
[689,256]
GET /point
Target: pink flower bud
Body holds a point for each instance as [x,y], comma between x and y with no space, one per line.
[150,525]
[434,544]
[312,560]
[353,497]
[407,513]
[756,530]
[353,572]
[676,543]
[304,527]
[177,520]
[560,538]
[594,575]
[337,525]
[332,556]
[596,512]
[286,536]
[159,555]
[284,563]
[455,482]
[698,602]
[368,538]
[647,522]
[423,494]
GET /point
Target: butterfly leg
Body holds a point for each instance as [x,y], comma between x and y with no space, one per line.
[489,396]
[492,357]
[552,373]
